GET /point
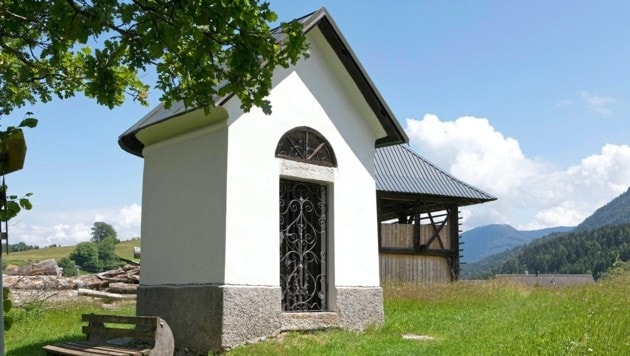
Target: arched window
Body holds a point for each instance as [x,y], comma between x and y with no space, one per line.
[304,144]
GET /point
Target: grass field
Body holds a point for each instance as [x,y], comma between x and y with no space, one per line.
[487,318]
[32,329]
[490,318]
[124,249]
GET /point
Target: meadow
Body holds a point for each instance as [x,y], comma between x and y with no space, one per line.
[463,318]
[124,249]
[482,318]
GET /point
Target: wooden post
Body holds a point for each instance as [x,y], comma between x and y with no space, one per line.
[453,221]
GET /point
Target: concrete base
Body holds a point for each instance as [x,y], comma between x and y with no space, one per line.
[212,317]
[309,321]
[194,314]
[207,318]
[360,307]
[249,313]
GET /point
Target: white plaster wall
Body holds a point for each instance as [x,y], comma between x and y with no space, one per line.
[183,209]
[322,96]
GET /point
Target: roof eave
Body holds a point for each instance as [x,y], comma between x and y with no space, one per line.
[395,133]
[322,20]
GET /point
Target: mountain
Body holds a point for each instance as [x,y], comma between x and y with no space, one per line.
[582,252]
[616,212]
[488,240]
[482,269]
[589,248]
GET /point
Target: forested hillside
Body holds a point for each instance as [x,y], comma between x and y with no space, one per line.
[483,268]
[488,240]
[584,252]
[589,248]
[616,212]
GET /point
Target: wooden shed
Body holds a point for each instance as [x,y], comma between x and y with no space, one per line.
[418,217]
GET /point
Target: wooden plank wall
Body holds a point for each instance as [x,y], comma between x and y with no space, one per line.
[412,268]
[401,235]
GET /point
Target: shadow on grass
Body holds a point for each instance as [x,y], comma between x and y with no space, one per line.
[36,349]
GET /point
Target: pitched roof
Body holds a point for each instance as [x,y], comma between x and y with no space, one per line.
[322,20]
[398,169]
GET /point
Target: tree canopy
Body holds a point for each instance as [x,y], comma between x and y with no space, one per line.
[101,231]
[96,256]
[200,50]
[85,255]
[577,252]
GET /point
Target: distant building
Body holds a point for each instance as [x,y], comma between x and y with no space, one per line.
[548,280]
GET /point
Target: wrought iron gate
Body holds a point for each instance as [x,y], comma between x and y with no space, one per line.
[303,210]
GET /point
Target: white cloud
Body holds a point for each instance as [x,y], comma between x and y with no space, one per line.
[597,103]
[44,228]
[531,194]
[130,215]
[562,103]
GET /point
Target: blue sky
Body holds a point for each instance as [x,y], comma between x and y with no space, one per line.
[527,100]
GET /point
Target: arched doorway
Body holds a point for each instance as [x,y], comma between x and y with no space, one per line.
[304,224]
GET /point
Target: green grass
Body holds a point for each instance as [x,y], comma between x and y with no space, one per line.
[124,249]
[33,256]
[491,318]
[35,328]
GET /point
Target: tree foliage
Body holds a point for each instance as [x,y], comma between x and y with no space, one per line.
[615,212]
[86,256]
[200,49]
[96,256]
[18,247]
[107,257]
[101,231]
[68,266]
[7,305]
[583,252]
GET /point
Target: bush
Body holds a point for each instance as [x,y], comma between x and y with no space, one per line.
[86,256]
[69,268]
[96,257]
[107,253]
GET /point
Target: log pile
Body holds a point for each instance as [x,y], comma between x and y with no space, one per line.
[118,284]
[44,268]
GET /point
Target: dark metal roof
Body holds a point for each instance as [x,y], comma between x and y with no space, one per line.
[319,19]
[400,170]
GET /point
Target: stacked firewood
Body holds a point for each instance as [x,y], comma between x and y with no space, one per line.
[121,283]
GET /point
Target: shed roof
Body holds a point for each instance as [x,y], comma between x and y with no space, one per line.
[398,169]
[319,19]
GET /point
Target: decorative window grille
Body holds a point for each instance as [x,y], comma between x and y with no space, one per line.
[303,225]
[306,145]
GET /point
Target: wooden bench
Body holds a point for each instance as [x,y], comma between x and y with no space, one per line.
[133,335]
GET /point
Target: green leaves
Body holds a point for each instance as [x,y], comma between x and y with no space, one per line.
[28,122]
[6,302]
[6,306]
[200,49]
